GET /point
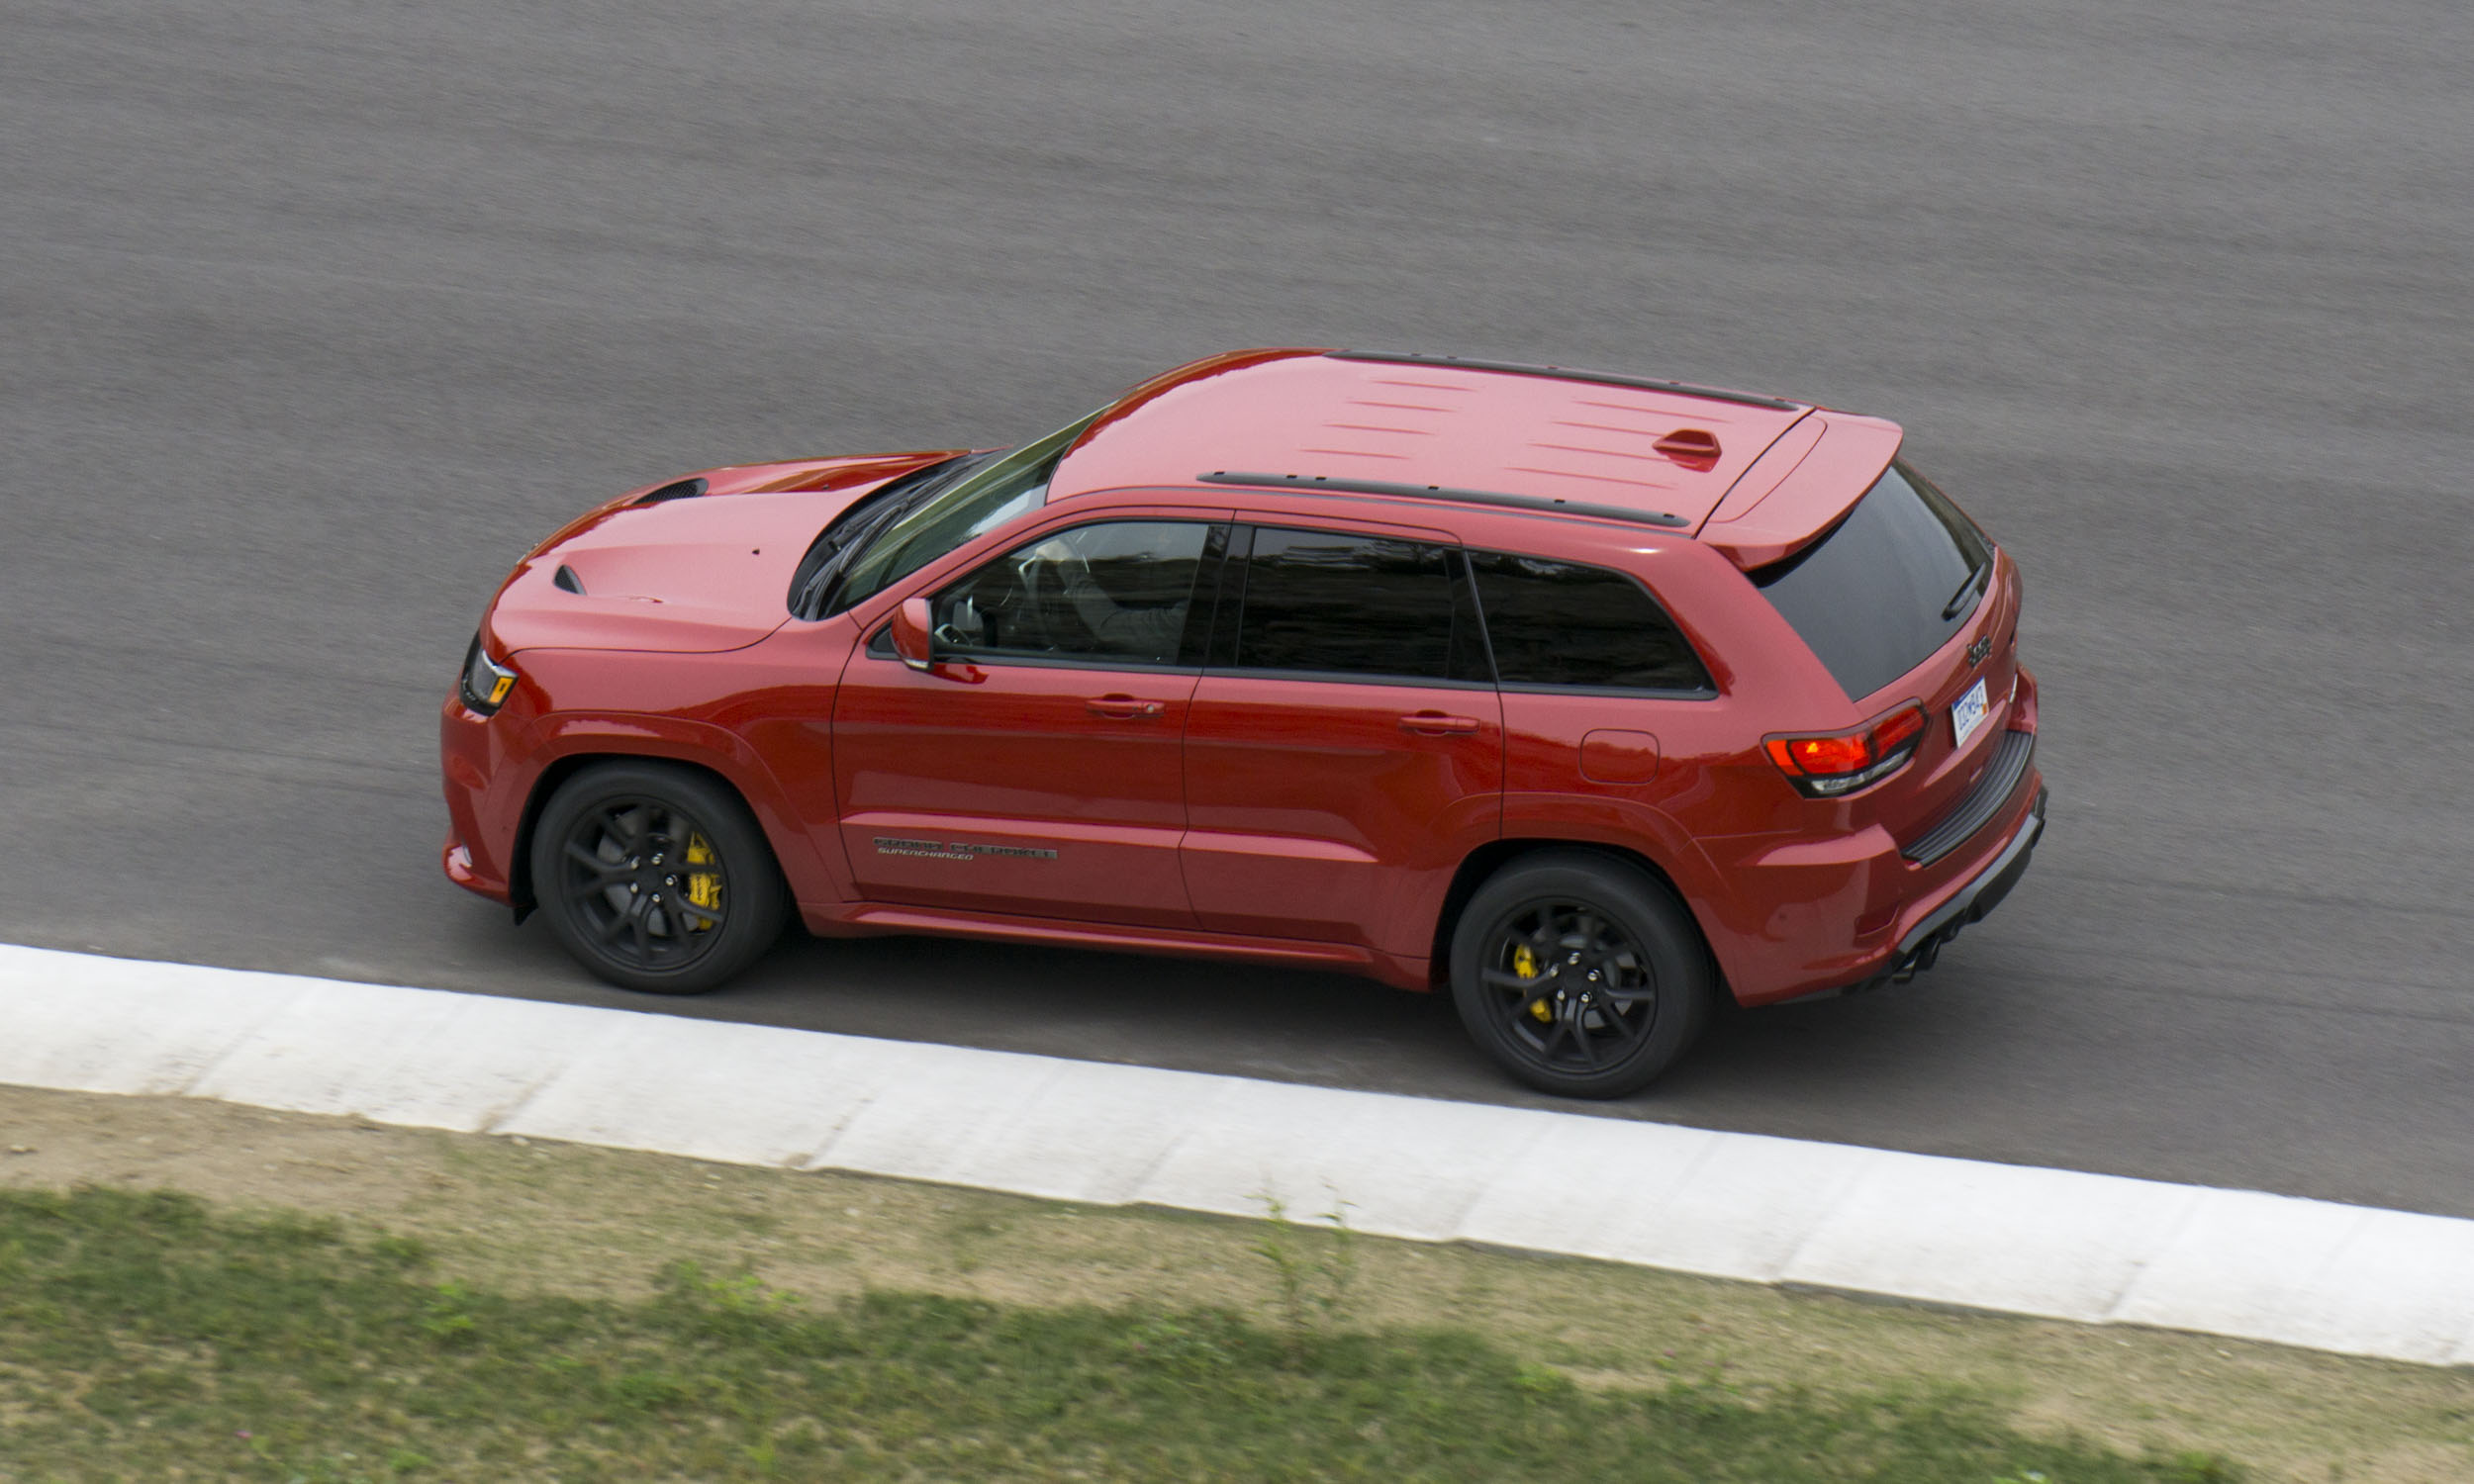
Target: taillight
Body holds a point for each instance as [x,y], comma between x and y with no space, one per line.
[1827,767]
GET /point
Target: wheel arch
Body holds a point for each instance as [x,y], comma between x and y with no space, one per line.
[519,891]
[1493,856]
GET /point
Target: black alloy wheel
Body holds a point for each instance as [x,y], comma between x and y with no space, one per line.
[656,878]
[1580,974]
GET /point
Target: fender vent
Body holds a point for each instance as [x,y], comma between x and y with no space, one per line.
[685,488]
[565,577]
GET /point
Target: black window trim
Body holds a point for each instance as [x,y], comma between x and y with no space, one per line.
[1235,540]
[1612,692]
[1228,581]
[1348,678]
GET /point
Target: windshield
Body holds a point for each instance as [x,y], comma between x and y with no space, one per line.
[990,496]
[1887,586]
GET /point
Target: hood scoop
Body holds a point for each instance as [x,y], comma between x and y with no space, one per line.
[680,576]
[682,489]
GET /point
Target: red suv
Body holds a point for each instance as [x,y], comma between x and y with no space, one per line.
[1589,696]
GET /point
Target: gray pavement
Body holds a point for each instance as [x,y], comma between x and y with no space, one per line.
[311,318]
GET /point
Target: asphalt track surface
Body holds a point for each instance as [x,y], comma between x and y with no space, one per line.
[314,317]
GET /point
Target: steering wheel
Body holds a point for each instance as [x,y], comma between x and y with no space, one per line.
[1048,618]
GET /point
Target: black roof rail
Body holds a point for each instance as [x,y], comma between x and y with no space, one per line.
[1561,373]
[1546,502]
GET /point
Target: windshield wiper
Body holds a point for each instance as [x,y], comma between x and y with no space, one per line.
[859,527]
[814,599]
[1959,600]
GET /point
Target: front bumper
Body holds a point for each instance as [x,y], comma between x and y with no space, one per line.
[473,776]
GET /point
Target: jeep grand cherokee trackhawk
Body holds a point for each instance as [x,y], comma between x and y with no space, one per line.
[1589,696]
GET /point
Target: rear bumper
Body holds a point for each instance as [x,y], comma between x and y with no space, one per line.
[1974,898]
[1860,909]
[1982,892]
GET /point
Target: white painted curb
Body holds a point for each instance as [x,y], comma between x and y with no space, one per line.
[2046,1241]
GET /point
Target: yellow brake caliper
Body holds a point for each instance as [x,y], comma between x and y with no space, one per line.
[1525,964]
[704,887]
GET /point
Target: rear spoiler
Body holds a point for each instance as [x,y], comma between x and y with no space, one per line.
[1799,487]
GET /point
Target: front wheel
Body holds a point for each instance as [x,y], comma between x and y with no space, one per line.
[656,878]
[1579,973]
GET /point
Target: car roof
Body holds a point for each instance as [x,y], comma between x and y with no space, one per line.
[1539,434]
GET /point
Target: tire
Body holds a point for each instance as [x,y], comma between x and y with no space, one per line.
[1579,973]
[606,854]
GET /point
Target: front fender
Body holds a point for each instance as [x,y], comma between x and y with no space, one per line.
[566,740]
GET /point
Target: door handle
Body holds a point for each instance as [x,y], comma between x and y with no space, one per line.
[1124,708]
[1437,724]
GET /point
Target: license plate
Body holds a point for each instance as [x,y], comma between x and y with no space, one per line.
[1966,714]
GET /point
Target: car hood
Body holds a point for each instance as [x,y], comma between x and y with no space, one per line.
[693,573]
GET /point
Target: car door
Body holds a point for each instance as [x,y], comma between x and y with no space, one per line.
[1034,769]
[1345,748]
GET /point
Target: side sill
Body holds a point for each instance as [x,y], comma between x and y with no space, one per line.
[1341,957]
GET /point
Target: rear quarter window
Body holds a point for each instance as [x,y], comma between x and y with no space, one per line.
[1564,624]
[1879,592]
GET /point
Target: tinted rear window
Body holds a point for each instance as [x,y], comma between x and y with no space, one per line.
[1560,623]
[1875,595]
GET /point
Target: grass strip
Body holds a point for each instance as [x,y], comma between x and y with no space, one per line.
[147,1334]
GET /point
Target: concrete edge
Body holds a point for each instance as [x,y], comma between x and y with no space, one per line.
[1962,1233]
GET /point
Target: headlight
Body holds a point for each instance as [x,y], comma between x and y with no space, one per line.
[486,681]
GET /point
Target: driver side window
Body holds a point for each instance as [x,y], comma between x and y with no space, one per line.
[1117,593]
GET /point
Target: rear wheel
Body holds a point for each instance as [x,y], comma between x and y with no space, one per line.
[656,878]
[1579,973]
